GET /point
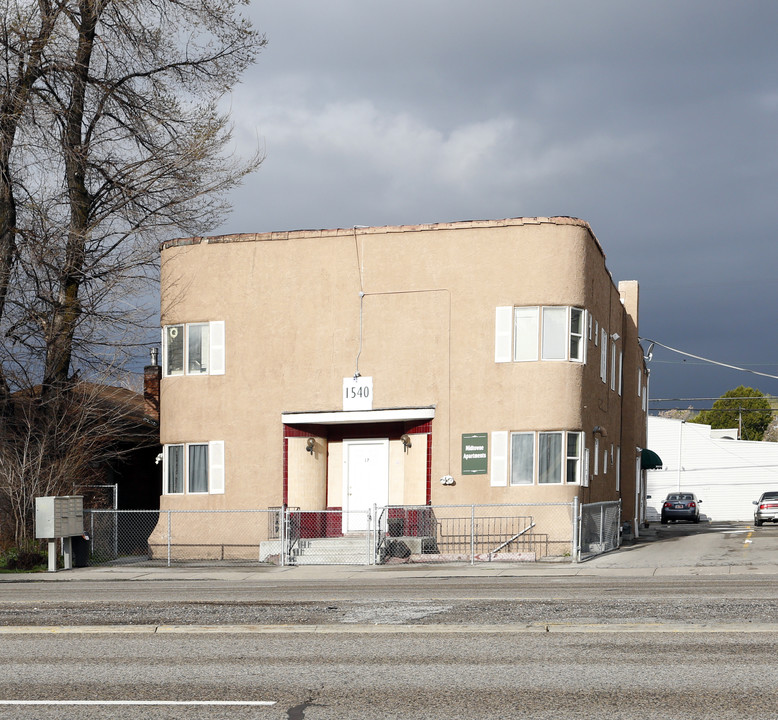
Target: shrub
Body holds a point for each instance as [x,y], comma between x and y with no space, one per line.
[23,559]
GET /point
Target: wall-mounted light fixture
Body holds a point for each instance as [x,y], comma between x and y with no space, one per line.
[310,444]
[599,430]
[615,337]
[406,441]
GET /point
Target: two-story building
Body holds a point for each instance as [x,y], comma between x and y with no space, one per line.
[483,362]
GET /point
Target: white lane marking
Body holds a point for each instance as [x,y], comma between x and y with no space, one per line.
[138,702]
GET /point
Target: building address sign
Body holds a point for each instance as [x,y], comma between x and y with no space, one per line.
[358,393]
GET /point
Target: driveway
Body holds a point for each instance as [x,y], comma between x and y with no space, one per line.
[705,545]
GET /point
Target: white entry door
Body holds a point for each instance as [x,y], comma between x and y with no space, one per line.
[365,480]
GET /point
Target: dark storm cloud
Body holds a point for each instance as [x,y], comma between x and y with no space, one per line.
[655,122]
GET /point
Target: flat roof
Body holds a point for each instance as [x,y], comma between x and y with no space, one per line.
[379,230]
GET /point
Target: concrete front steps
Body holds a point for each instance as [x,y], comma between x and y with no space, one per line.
[346,550]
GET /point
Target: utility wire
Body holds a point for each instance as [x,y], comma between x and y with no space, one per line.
[708,360]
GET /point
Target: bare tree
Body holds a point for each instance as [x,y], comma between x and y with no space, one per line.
[25,31]
[125,145]
[63,449]
[111,139]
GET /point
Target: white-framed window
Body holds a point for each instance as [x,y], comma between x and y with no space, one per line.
[604,355]
[550,458]
[640,381]
[543,458]
[577,344]
[193,468]
[525,328]
[525,334]
[596,470]
[621,370]
[193,349]
[522,458]
[554,336]
[613,364]
[585,478]
[574,457]
[618,469]
[596,332]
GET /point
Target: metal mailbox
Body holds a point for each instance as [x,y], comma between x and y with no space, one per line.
[59,517]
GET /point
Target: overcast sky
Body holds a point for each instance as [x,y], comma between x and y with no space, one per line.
[653,121]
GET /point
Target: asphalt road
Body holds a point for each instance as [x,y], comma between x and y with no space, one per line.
[394,675]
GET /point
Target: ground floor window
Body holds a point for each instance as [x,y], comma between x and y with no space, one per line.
[545,458]
[194,468]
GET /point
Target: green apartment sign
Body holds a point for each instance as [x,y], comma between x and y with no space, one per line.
[475,454]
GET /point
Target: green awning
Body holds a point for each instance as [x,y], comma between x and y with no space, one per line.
[649,460]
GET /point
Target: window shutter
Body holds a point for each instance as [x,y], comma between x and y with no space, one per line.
[216,467]
[164,465]
[502,334]
[217,347]
[163,345]
[499,459]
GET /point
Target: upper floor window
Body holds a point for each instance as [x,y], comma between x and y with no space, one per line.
[524,334]
[193,349]
[604,356]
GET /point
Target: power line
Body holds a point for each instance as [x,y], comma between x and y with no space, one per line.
[720,397]
[707,360]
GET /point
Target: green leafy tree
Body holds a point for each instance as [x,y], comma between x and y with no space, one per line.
[743,407]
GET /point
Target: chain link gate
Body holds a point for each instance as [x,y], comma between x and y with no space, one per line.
[599,529]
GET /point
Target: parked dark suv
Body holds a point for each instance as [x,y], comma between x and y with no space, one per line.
[681,506]
[766,508]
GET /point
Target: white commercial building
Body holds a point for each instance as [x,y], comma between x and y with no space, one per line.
[725,473]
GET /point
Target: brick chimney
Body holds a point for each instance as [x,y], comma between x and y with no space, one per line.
[151,377]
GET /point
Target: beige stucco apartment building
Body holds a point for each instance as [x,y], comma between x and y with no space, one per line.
[453,363]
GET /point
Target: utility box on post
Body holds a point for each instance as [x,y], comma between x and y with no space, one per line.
[59,517]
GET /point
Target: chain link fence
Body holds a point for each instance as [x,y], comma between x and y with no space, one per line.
[600,529]
[168,537]
[475,533]
[382,535]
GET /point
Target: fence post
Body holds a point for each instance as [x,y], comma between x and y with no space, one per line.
[602,526]
[168,537]
[472,534]
[372,541]
[575,540]
[283,519]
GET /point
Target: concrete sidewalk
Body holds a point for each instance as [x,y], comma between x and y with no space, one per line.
[379,574]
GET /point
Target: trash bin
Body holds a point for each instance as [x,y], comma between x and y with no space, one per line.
[396,526]
[79,544]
